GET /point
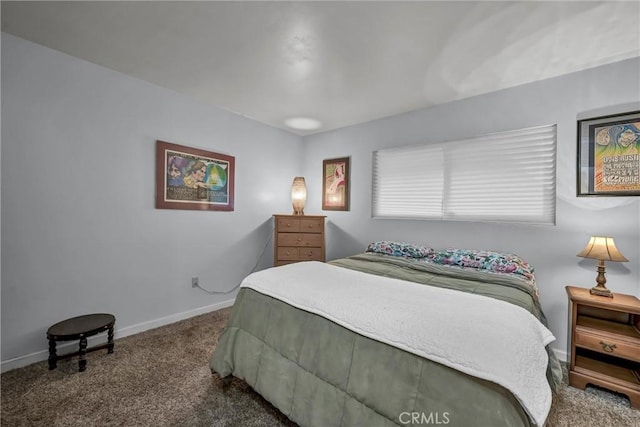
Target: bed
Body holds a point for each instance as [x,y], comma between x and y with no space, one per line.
[398,335]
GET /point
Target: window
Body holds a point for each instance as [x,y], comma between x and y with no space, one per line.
[506,177]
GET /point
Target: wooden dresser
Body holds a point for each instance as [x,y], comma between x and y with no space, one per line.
[298,238]
[605,342]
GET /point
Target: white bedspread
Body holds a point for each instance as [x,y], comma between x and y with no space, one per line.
[480,336]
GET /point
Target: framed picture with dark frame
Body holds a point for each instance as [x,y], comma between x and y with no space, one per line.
[335,184]
[609,155]
[193,179]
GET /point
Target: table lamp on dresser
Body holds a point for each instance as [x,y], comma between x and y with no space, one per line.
[298,195]
[603,249]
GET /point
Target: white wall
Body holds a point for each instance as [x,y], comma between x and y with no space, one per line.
[80,233]
[0,187]
[551,249]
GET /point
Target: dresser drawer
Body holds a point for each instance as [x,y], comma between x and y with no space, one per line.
[311,254]
[312,225]
[613,345]
[300,239]
[288,253]
[299,254]
[288,225]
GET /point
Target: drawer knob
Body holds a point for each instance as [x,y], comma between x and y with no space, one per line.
[299,239]
[288,253]
[608,347]
[310,253]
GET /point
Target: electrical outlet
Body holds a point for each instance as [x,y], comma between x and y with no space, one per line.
[195,282]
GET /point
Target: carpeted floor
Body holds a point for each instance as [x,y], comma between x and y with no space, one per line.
[161,378]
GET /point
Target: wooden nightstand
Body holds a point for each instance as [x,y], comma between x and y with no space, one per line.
[605,342]
[298,238]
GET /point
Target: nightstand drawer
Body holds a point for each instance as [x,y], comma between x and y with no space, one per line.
[619,346]
[300,239]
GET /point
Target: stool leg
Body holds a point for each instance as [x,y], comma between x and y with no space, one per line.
[110,340]
[53,357]
[82,360]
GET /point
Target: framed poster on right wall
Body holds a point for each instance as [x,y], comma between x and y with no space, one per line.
[609,155]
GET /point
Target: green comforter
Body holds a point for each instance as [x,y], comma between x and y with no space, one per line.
[321,374]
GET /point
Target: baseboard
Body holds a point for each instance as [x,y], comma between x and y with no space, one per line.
[561,355]
[62,348]
[39,356]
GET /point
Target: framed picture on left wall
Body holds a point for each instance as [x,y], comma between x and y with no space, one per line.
[193,179]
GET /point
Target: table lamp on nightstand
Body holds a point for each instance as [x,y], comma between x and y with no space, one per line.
[603,249]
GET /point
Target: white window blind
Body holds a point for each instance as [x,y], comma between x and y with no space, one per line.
[408,182]
[507,177]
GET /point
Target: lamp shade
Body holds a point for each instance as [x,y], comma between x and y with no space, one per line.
[298,195]
[602,248]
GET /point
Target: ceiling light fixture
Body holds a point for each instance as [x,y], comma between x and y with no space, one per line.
[303,123]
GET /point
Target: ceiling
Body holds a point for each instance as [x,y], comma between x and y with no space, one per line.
[341,63]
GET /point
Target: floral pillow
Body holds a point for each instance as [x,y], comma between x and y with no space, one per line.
[400,249]
[496,262]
